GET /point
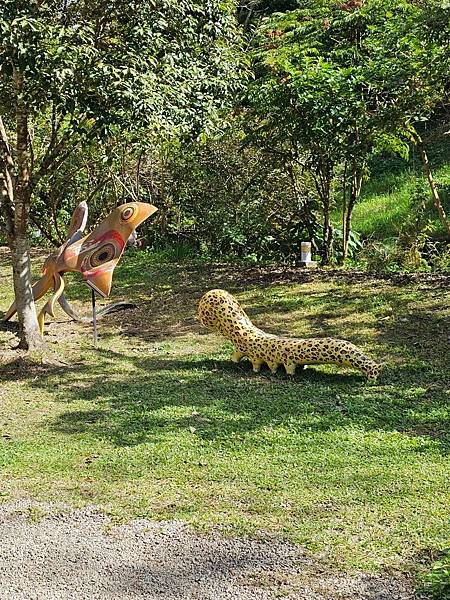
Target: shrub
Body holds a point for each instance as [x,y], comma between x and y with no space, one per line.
[436,584]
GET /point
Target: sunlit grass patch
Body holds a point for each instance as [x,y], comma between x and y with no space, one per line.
[388,201]
[159,423]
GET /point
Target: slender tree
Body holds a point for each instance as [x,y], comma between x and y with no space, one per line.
[73,72]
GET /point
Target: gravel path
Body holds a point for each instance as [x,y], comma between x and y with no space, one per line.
[47,553]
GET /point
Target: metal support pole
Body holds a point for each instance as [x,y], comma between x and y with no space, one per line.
[94,319]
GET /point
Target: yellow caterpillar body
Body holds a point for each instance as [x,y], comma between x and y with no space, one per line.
[220,311]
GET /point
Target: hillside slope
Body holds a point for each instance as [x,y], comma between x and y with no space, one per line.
[397,194]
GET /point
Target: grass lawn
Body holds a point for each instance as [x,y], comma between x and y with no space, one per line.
[390,201]
[159,423]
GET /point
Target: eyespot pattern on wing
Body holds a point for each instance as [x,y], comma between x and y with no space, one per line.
[103,254]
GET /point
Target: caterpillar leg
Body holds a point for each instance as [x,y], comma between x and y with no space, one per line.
[39,289]
[256,364]
[290,368]
[49,306]
[237,355]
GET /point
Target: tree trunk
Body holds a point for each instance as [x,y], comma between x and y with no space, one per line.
[344,209]
[306,209]
[29,334]
[355,191]
[327,232]
[435,194]
[322,178]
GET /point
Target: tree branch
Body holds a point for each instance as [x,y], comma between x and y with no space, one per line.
[55,156]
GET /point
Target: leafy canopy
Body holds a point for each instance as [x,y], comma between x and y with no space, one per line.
[168,64]
[342,78]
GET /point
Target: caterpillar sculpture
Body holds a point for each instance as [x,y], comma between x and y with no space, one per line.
[220,311]
[95,256]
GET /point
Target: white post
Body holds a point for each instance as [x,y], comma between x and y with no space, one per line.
[305,252]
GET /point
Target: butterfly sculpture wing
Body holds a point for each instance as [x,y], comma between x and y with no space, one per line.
[77,223]
[97,254]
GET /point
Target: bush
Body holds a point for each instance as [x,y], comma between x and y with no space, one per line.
[436,584]
[380,256]
[232,201]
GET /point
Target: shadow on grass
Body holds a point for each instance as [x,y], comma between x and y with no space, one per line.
[135,397]
[167,294]
[10,326]
[223,401]
[394,317]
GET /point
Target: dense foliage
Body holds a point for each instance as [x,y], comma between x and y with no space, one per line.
[338,82]
[252,127]
[337,87]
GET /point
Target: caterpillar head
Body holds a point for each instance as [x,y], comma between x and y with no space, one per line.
[214,306]
[373,371]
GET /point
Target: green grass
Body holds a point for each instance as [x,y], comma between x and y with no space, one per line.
[390,200]
[159,423]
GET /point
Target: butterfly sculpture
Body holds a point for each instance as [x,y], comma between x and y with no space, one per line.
[95,256]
